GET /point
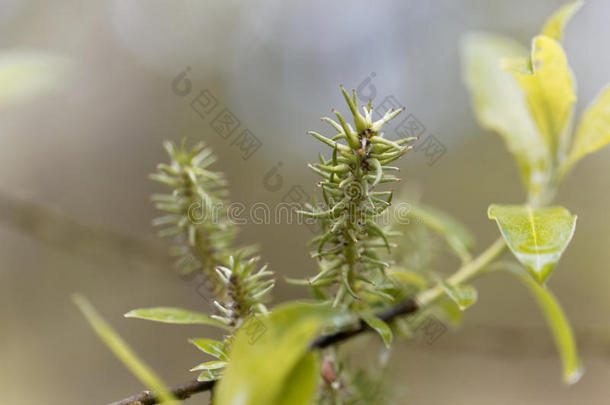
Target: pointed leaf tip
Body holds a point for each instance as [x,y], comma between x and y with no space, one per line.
[463,295]
[379,326]
[536,236]
[593,132]
[173,315]
[556,23]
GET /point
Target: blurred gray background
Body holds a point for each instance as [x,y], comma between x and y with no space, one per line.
[74,194]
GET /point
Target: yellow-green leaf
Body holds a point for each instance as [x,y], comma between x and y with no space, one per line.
[407,279]
[559,325]
[536,236]
[211,347]
[379,326]
[122,350]
[549,91]
[555,24]
[463,295]
[500,105]
[174,315]
[210,375]
[593,131]
[302,383]
[448,311]
[268,350]
[24,74]
[210,365]
[457,236]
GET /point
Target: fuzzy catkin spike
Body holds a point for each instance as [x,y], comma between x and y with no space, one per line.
[193,208]
[194,216]
[247,289]
[350,237]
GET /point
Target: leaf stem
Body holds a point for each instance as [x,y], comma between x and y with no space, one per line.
[465,273]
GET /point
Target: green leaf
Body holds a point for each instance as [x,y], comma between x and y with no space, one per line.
[500,106]
[559,325]
[302,383]
[174,315]
[457,236]
[549,91]
[25,74]
[463,295]
[122,350]
[555,24]
[268,351]
[536,236]
[407,279]
[211,347]
[448,311]
[380,327]
[210,365]
[593,132]
[210,375]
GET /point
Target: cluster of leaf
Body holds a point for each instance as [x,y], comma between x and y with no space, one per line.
[349,247]
[528,98]
[194,217]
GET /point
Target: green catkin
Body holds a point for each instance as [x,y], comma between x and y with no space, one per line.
[350,239]
[193,209]
[194,214]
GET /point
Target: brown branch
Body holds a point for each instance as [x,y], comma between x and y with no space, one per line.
[180,392]
[48,224]
[406,307]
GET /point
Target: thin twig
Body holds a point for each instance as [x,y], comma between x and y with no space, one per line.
[406,307]
[180,392]
[48,224]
